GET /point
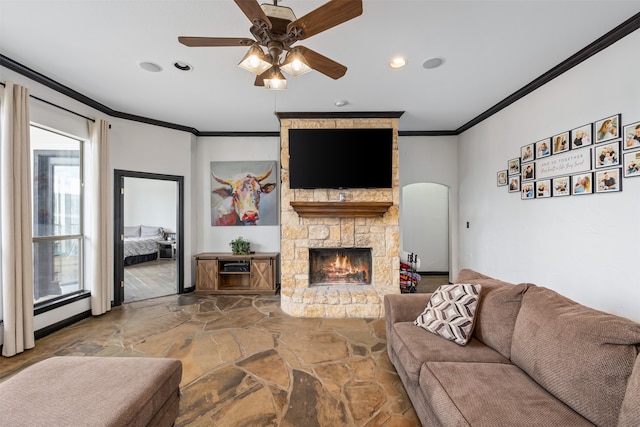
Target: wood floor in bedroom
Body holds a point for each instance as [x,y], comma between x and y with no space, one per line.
[150,279]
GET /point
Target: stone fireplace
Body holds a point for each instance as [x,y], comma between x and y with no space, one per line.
[316,220]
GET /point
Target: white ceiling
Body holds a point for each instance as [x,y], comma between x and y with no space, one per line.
[491,49]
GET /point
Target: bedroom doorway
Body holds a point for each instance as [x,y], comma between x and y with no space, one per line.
[148,235]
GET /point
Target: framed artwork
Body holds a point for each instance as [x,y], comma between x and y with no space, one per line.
[560,186]
[581,136]
[607,155]
[631,134]
[543,189]
[502,178]
[582,183]
[560,143]
[631,164]
[514,184]
[608,181]
[607,129]
[514,166]
[256,204]
[528,191]
[526,153]
[528,172]
[543,148]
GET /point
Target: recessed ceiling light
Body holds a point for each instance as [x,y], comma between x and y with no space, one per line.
[182,66]
[432,63]
[341,103]
[150,66]
[398,62]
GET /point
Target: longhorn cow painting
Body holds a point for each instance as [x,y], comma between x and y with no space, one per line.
[244,193]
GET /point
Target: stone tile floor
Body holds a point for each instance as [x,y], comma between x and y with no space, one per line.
[246,363]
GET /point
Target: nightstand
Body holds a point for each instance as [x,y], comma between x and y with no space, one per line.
[166,249]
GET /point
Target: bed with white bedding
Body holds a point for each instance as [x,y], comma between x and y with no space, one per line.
[141,243]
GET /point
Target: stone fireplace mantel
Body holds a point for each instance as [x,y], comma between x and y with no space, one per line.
[341,209]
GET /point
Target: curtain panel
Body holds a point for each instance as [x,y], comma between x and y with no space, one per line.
[15,202]
[99,233]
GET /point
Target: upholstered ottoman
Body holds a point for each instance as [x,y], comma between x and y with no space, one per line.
[93,391]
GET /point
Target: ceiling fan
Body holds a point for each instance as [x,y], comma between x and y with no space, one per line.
[276,29]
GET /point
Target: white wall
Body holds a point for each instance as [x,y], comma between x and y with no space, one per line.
[150,202]
[220,149]
[144,148]
[431,160]
[425,219]
[585,247]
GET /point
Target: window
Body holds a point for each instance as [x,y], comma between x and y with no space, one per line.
[57,214]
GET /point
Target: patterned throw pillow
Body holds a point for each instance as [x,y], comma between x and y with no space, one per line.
[450,312]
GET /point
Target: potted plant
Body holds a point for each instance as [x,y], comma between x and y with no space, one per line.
[240,246]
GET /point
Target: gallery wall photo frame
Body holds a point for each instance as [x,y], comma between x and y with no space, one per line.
[560,143]
[607,129]
[607,155]
[631,164]
[514,184]
[582,184]
[528,191]
[543,189]
[514,166]
[561,186]
[501,178]
[527,153]
[543,148]
[582,136]
[528,172]
[608,181]
[631,136]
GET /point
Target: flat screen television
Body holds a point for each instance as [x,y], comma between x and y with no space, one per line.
[340,158]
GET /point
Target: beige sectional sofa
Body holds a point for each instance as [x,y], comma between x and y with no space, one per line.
[535,358]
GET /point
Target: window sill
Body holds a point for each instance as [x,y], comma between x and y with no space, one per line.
[60,301]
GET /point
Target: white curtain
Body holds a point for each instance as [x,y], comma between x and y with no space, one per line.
[15,201]
[99,231]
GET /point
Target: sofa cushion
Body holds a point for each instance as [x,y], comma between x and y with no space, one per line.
[630,411]
[450,312]
[582,356]
[497,310]
[491,394]
[413,346]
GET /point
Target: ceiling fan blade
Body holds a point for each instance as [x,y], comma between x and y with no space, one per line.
[253,11]
[215,41]
[321,63]
[329,15]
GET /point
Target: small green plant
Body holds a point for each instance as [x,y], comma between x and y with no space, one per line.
[240,246]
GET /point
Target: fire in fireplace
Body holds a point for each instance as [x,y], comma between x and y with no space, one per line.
[331,266]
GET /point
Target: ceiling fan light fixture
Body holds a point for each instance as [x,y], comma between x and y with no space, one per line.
[295,64]
[275,80]
[255,60]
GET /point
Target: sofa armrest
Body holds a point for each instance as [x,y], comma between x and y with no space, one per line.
[404,307]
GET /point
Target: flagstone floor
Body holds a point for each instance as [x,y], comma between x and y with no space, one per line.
[246,363]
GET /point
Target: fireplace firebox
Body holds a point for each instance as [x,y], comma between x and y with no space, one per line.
[333,266]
